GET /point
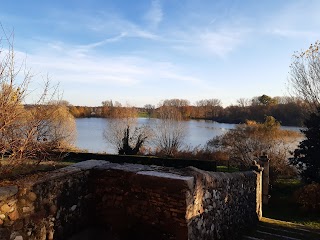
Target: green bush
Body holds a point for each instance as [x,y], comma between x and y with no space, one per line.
[308,197]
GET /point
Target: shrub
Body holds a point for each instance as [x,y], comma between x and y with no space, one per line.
[247,142]
[308,197]
[306,156]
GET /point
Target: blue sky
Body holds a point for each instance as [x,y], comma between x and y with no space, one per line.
[144,51]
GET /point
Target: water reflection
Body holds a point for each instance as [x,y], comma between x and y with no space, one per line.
[198,132]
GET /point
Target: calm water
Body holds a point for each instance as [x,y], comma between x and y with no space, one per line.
[90,132]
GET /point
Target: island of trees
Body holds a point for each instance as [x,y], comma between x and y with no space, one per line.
[290,111]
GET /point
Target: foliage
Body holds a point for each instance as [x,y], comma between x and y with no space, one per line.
[208,108]
[149,109]
[289,111]
[309,197]
[248,141]
[305,75]
[124,134]
[170,133]
[306,156]
[266,100]
[197,153]
[283,205]
[33,131]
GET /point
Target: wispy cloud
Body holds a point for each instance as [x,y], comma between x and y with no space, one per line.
[66,65]
[299,19]
[221,42]
[288,33]
[83,49]
[155,14]
[108,23]
[204,42]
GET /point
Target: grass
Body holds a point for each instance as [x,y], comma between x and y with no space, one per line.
[227,169]
[28,167]
[143,115]
[282,205]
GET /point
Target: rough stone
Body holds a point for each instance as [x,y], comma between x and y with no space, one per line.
[186,204]
[5,208]
[8,191]
[32,196]
[13,215]
[53,209]
[26,209]
[18,225]
[73,208]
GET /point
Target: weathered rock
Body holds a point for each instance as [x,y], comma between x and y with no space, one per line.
[26,209]
[13,215]
[32,196]
[53,209]
[73,208]
[186,204]
[5,208]
[8,191]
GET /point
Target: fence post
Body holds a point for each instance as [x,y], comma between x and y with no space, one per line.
[259,170]
[264,162]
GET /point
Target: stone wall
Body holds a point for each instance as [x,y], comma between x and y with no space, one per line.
[223,205]
[139,200]
[46,207]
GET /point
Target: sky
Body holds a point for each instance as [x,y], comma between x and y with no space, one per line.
[145,51]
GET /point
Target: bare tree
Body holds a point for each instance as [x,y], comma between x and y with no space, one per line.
[149,109]
[182,105]
[123,132]
[28,132]
[170,132]
[211,107]
[304,78]
[243,102]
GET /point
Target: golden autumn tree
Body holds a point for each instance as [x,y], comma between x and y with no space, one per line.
[28,131]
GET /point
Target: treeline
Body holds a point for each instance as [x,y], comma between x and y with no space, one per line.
[288,111]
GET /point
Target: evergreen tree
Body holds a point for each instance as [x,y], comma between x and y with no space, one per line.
[307,155]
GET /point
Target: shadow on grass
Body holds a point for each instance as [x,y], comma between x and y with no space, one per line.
[282,205]
[12,171]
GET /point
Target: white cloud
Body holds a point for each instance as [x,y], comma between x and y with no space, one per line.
[107,23]
[299,19]
[65,64]
[155,14]
[294,33]
[204,42]
[221,42]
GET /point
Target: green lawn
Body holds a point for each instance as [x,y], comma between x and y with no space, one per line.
[227,169]
[283,207]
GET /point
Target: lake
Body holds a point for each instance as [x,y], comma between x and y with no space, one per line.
[90,132]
